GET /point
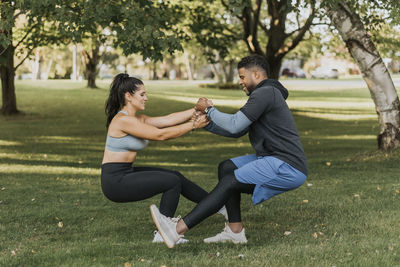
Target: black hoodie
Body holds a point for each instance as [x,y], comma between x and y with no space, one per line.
[273,131]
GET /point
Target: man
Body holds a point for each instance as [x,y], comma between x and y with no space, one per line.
[278,165]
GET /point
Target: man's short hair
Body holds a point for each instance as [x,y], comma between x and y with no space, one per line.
[254,60]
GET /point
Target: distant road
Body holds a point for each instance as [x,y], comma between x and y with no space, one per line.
[297,84]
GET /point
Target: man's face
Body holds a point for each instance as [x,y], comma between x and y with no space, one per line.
[247,80]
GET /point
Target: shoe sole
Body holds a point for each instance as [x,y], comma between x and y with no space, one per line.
[153,215]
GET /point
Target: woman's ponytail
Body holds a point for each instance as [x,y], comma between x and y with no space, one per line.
[121,84]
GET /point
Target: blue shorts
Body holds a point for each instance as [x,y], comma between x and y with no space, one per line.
[271,176]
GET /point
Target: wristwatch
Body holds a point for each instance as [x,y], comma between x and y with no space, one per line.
[207,109]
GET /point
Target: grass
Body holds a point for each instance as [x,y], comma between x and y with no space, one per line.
[53,213]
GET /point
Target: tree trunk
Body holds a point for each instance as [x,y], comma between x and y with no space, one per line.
[46,74]
[36,72]
[229,70]
[9,100]
[374,71]
[217,73]
[155,76]
[275,64]
[74,75]
[91,62]
[188,67]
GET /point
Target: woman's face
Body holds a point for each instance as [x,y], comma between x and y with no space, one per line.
[139,98]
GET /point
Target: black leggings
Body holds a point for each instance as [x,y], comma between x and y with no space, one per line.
[121,182]
[226,192]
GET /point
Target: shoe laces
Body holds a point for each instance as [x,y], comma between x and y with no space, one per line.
[176,219]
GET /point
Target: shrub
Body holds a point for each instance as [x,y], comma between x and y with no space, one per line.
[222,86]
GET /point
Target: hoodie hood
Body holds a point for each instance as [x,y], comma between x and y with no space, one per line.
[276,84]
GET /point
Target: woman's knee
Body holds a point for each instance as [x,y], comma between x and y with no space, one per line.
[225,167]
[175,177]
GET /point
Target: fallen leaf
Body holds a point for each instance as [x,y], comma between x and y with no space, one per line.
[356,195]
[3,188]
[241,256]
[309,184]
[218,254]
[305,201]
[315,235]
[287,233]
[33,199]
[13,252]
[328,164]
[378,188]
[127,264]
[60,224]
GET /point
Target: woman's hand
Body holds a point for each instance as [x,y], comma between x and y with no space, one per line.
[200,122]
[195,115]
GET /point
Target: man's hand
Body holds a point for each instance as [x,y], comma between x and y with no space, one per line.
[202,103]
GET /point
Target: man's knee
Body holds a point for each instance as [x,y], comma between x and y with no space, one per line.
[229,181]
[225,167]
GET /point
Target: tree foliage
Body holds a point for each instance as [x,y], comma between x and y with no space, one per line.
[138,26]
[270,28]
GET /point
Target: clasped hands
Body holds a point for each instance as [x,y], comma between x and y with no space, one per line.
[199,117]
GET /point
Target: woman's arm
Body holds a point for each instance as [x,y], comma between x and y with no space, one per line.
[168,120]
[135,127]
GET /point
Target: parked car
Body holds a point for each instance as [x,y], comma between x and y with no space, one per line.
[293,73]
[325,73]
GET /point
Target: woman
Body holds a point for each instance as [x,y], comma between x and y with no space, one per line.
[129,133]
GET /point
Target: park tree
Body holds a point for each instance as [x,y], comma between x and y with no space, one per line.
[273,28]
[23,27]
[351,28]
[215,34]
[145,27]
[270,28]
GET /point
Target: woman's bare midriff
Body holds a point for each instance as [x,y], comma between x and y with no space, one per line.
[110,156]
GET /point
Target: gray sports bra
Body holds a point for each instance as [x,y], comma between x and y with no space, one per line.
[126,143]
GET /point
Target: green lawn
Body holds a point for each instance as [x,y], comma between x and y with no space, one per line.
[53,213]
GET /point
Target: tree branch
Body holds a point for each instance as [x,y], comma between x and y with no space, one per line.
[256,17]
[17,15]
[22,61]
[263,27]
[26,35]
[302,31]
[229,10]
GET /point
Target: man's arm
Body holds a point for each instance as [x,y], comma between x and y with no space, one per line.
[215,129]
[232,123]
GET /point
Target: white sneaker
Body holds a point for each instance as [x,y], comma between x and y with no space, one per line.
[223,212]
[166,227]
[158,239]
[228,235]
